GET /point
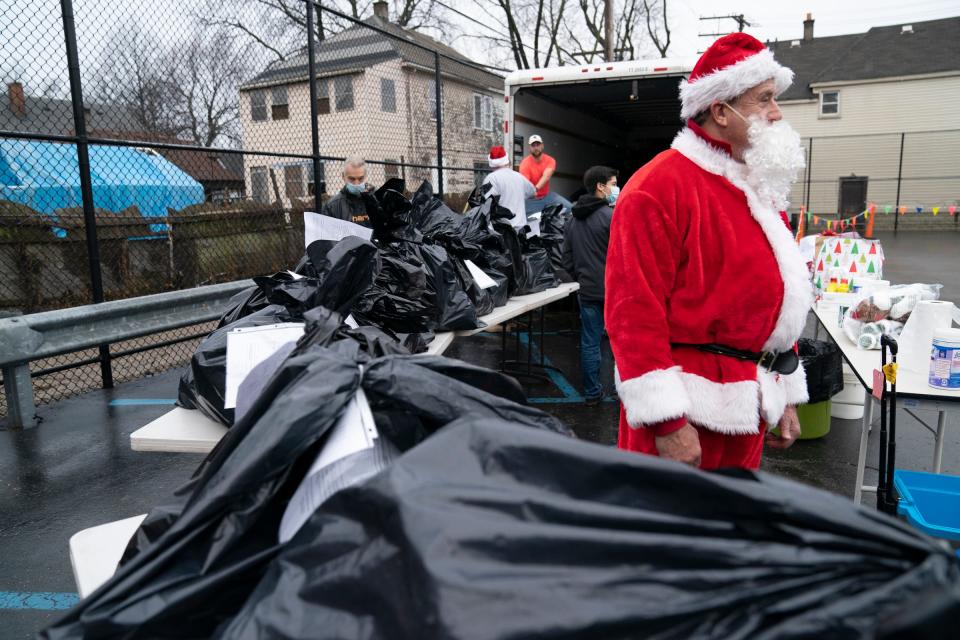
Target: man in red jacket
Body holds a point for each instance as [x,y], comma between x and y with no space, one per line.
[707,292]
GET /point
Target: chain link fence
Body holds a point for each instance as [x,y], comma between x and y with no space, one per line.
[916,170]
[155,147]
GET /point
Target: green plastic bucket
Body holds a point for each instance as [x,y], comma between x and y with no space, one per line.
[814,420]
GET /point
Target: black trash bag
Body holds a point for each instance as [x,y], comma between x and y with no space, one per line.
[824,368]
[552,223]
[512,264]
[212,545]
[455,309]
[482,299]
[486,531]
[344,271]
[203,385]
[243,304]
[397,301]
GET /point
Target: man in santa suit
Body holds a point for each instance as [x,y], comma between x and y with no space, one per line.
[703,276]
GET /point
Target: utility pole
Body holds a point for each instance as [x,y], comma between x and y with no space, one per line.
[740,19]
[608,30]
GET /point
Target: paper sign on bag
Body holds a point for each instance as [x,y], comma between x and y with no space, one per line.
[483,280]
[320,227]
[249,346]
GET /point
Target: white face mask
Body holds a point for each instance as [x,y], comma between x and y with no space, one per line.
[774,158]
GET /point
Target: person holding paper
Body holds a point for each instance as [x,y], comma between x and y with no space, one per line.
[584,257]
[512,188]
[706,289]
[348,203]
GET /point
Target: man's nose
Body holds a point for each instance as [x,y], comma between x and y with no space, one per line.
[774,114]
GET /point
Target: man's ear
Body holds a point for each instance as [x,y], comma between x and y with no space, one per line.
[718,111]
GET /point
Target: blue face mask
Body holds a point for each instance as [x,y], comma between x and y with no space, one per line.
[612,196]
[356,189]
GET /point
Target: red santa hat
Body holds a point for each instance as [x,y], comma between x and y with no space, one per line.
[731,65]
[498,157]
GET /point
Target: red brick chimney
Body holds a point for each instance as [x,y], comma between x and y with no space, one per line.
[18,103]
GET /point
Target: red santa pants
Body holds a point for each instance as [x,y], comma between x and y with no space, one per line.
[718,450]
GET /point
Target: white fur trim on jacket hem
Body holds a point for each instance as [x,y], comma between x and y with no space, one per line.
[653,397]
[732,81]
[797,291]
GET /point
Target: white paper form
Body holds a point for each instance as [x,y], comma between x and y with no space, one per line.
[483,280]
[320,227]
[354,432]
[249,346]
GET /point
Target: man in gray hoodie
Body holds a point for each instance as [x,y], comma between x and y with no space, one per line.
[585,257]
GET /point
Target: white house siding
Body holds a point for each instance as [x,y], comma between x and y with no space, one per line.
[409,135]
[865,141]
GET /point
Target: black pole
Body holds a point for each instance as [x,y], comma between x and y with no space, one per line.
[809,172]
[896,219]
[436,57]
[314,127]
[86,186]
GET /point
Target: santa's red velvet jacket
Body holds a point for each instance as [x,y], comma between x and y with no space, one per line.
[695,257]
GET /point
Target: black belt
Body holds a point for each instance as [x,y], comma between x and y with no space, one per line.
[785,362]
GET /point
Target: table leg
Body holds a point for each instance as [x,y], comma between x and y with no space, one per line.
[938,445]
[862,454]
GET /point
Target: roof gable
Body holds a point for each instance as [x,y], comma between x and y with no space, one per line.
[882,52]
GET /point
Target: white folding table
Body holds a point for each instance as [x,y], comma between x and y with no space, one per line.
[96,552]
[188,431]
[913,392]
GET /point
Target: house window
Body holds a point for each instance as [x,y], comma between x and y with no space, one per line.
[480,172]
[323,96]
[388,95]
[258,184]
[830,104]
[432,99]
[258,106]
[293,181]
[496,122]
[391,169]
[279,107]
[343,90]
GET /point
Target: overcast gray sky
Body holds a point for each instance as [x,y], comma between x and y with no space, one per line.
[784,20]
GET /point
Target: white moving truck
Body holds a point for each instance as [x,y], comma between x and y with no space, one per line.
[618,114]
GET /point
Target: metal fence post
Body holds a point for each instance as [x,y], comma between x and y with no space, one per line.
[18,389]
[314,125]
[438,97]
[896,217]
[86,187]
[809,171]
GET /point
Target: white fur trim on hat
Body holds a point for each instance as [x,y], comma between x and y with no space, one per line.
[797,290]
[732,81]
[496,163]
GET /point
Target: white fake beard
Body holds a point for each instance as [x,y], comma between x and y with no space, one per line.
[774,160]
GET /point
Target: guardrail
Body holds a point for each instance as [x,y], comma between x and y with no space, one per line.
[24,339]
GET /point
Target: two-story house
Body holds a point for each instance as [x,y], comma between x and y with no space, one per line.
[880,112]
[377,100]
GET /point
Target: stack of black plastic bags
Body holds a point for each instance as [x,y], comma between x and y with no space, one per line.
[474,515]
[410,282]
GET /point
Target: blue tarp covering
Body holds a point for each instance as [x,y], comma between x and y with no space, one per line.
[45,177]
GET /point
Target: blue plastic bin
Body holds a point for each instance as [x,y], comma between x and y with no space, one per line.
[930,502]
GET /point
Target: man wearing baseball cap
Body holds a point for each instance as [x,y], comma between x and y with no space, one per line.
[706,291]
[538,167]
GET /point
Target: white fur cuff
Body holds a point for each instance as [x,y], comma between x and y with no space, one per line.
[653,397]
[795,386]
